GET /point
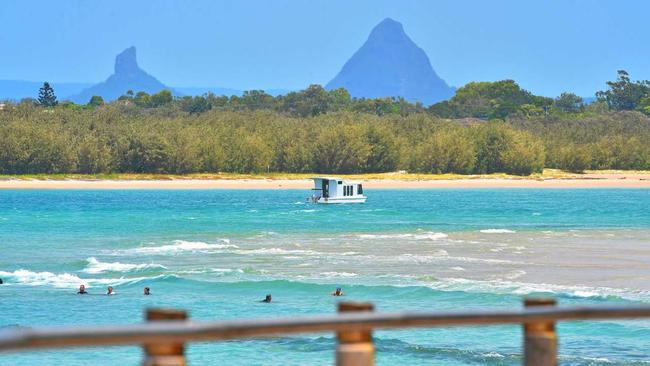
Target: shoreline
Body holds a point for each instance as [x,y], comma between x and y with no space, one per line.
[589,180]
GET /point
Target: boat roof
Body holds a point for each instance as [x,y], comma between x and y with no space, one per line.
[336,178]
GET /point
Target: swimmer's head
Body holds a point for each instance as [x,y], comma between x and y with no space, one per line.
[110,290]
[82,288]
[146,291]
[268,298]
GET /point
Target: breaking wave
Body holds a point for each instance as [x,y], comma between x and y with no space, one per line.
[66,280]
[425,235]
[181,246]
[497,231]
[95,266]
[509,287]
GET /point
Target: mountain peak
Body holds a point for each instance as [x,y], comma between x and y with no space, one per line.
[388,29]
[126,61]
[390,64]
[127,76]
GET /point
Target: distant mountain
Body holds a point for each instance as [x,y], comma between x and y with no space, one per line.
[19,89]
[127,76]
[390,64]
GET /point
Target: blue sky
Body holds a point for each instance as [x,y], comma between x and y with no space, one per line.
[548,46]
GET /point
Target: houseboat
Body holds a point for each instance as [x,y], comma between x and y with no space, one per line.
[337,190]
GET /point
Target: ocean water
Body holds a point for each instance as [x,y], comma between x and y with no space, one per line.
[217,253]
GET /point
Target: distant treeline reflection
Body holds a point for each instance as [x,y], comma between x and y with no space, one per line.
[485,128]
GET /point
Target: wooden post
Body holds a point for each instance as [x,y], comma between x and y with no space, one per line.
[540,340]
[164,354]
[355,348]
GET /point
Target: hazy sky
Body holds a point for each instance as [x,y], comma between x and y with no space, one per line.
[548,46]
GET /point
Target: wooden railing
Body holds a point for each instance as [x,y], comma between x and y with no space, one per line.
[166,331]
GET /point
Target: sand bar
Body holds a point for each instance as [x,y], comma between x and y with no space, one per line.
[597,180]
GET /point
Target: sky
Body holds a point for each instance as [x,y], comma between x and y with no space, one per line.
[547,46]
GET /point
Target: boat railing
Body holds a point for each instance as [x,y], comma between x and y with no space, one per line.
[166,331]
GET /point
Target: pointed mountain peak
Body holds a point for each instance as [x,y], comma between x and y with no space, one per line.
[128,76]
[388,29]
[390,64]
[126,62]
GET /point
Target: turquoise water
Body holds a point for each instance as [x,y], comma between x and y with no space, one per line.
[216,253]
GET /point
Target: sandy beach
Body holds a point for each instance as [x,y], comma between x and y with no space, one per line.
[592,180]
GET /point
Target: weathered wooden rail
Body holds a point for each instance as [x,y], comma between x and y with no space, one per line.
[166,331]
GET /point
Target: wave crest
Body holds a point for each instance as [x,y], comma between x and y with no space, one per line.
[95,266]
[182,246]
[497,231]
[425,235]
[65,280]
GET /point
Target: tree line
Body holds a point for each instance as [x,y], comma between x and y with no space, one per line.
[484,128]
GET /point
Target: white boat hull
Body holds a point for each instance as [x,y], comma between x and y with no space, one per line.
[335,200]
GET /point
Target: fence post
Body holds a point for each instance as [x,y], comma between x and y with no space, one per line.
[164,354]
[540,340]
[355,348]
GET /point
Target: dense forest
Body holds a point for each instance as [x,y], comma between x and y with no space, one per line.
[486,127]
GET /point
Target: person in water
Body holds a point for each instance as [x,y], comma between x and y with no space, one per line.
[147,291]
[1,281]
[338,292]
[268,298]
[82,290]
[110,291]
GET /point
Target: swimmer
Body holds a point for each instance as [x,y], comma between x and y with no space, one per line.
[147,291]
[1,281]
[338,292]
[268,298]
[82,290]
[110,291]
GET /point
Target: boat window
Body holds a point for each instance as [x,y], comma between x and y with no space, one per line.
[340,182]
[359,189]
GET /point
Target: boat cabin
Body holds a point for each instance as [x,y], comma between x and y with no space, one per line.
[337,190]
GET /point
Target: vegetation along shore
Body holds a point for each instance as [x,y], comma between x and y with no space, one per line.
[489,127]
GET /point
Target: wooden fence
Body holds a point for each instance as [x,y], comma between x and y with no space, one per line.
[166,331]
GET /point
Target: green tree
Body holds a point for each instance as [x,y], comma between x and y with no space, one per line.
[383,155]
[160,99]
[96,101]
[195,105]
[574,158]
[142,99]
[569,103]
[524,155]
[446,151]
[624,94]
[46,97]
[256,99]
[490,100]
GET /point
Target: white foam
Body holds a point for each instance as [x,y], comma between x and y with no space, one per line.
[63,280]
[458,268]
[275,251]
[424,258]
[95,266]
[497,231]
[181,246]
[508,287]
[427,235]
[338,274]
[349,253]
